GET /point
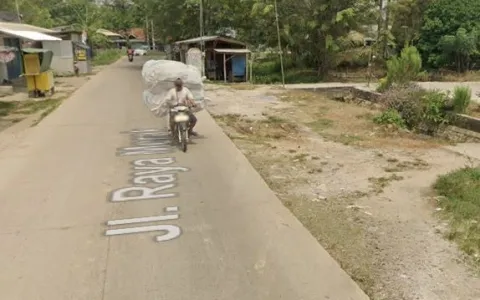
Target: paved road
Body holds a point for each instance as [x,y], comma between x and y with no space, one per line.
[201,225]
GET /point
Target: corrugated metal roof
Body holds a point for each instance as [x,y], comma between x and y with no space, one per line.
[232,51]
[30,35]
[198,39]
[108,32]
[24,27]
[210,38]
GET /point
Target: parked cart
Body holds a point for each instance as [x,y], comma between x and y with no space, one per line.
[39,77]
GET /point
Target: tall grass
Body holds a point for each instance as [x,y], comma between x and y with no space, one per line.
[462,96]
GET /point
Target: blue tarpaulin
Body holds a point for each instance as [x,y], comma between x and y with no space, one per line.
[238,66]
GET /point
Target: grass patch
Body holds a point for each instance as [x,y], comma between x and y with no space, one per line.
[268,71]
[107,56]
[238,86]
[30,107]
[347,123]
[6,108]
[271,127]
[378,184]
[320,124]
[403,166]
[154,54]
[461,206]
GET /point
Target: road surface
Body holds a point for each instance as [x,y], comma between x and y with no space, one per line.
[92,210]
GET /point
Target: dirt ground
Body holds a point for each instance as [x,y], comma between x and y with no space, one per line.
[19,107]
[363,191]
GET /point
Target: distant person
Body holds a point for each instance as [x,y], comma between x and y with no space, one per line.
[181,95]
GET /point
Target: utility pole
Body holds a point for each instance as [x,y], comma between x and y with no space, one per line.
[386,29]
[146,32]
[279,44]
[153,34]
[202,43]
[18,12]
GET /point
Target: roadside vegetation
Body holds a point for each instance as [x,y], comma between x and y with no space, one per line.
[327,159]
[15,108]
[107,56]
[459,202]
[13,112]
[339,42]
[408,106]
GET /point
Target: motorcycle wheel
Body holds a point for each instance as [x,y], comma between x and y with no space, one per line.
[183,136]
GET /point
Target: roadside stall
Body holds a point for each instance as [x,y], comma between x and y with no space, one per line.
[38,74]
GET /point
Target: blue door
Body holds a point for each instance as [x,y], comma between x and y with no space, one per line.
[14,68]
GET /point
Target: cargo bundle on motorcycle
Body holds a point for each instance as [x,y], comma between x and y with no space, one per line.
[159,76]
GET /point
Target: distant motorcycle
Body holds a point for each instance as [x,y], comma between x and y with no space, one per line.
[130,55]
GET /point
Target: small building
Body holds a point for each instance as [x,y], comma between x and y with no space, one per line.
[68,33]
[13,36]
[116,38]
[138,34]
[70,53]
[225,58]
[109,34]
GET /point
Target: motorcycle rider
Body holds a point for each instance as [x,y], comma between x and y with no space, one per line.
[129,50]
[181,95]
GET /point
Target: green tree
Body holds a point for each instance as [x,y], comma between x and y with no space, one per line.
[407,20]
[444,18]
[460,49]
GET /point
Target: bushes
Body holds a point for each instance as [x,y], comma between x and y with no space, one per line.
[419,110]
[408,105]
[390,117]
[403,69]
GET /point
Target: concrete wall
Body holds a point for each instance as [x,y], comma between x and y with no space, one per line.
[62,61]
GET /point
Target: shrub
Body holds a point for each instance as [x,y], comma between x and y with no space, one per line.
[390,117]
[421,110]
[406,101]
[403,69]
[462,95]
[433,112]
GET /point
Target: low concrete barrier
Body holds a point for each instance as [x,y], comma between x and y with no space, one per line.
[344,92]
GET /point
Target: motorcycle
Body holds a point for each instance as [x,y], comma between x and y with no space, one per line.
[180,125]
[130,55]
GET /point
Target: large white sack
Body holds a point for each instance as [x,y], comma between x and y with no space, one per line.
[158,77]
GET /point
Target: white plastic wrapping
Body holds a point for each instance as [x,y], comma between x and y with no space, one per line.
[159,75]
